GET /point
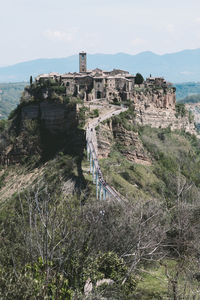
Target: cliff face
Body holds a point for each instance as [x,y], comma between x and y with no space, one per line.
[157,108]
[127,142]
[154,107]
[41,130]
[56,117]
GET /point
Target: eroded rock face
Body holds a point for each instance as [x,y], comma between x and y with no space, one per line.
[40,129]
[159,98]
[157,108]
[127,142]
[56,117]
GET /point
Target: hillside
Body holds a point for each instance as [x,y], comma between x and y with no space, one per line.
[191,99]
[58,242]
[187,89]
[176,67]
[10,94]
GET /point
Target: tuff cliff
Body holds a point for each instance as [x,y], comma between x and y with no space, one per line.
[154,107]
[115,134]
[38,130]
[47,120]
[157,107]
[56,117]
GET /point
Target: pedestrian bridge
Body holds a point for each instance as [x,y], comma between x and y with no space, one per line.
[103,190]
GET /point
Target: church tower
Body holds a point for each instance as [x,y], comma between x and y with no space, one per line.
[82,62]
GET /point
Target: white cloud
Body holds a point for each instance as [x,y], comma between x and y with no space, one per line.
[170,28]
[61,35]
[138,42]
[197,20]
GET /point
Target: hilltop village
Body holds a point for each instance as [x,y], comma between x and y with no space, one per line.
[153,99]
[116,85]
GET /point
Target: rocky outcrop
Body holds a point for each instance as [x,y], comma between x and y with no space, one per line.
[127,142]
[40,129]
[162,118]
[162,98]
[157,108]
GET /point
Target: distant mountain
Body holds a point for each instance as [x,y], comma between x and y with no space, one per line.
[193,99]
[176,67]
[187,89]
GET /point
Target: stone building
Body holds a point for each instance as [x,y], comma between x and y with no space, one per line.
[82,62]
[116,85]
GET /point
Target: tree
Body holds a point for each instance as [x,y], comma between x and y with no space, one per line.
[31,80]
[139,79]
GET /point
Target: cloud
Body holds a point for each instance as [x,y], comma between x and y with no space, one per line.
[197,20]
[138,42]
[170,28]
[61,35]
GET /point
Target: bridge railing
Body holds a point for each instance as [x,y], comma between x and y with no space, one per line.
[97,174]
[93,157]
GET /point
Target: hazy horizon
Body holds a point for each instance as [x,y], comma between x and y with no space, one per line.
[48,29]
[96,53]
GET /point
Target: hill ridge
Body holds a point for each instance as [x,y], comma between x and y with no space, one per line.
[179,66]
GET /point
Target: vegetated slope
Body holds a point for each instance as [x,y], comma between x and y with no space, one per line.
[191,99]
[176,67]
[10,94]
[187,89]
[57,240]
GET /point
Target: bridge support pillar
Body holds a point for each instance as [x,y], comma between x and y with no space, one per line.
[97,186]
[93,172]
[88,152]
[100,196]
[104,194]
[90,162]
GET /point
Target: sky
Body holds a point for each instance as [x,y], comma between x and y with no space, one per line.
[31,29]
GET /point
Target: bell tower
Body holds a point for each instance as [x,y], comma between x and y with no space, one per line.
[82,62]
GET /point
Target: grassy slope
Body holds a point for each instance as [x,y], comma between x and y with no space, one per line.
[186,89]
[173,154]
[9,97]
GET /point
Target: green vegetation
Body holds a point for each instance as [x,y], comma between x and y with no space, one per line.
[9,97]
[187,89]
[56,239]
[94,113]
[180,110]
[172,179]
[139,79]
[191,99]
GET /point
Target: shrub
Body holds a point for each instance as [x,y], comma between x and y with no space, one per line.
[180,110]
